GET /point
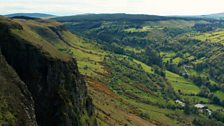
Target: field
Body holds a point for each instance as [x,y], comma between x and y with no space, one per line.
[142,67]
[214,37]
[179,82]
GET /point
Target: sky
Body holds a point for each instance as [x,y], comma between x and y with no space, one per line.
[72,7]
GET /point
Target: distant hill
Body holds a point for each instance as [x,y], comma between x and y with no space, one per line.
[117,17]
[216,16]
[33,15]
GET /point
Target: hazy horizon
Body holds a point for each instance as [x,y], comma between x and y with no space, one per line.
[150,7]
[104,13]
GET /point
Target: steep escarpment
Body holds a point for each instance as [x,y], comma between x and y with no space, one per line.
[16,102]
[58,89]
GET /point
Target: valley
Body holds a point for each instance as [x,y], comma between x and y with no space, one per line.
[151,62]
[140,70]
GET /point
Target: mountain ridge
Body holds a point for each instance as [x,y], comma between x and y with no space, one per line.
[33,15]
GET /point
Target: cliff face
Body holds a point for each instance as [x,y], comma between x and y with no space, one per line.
[16,102]
[55,84]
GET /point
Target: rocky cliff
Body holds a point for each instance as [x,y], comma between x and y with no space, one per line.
[16,102]
[54,84]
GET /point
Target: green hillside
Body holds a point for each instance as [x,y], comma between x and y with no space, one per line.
[144,65]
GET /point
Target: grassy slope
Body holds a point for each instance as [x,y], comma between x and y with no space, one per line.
[106,111]
[179,82]
[106,108]
[90,60]
[214,36]
[38,40]
[146,68]
[105,100]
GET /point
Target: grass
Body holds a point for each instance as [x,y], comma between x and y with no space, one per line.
[177,24]
[195,99]
[31,37]
[217,37]
[143,29]
[171,24]
[141,94]
[145,67]
[88,55]
[38,23]
[166,56]
[136,50]
[155,114]
[220,94]
[110,108]
[177,60]
[182,84]
[191,58]
[214,107]
[193,72]
[201,60]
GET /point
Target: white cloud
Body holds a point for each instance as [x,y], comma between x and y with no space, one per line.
[160,7]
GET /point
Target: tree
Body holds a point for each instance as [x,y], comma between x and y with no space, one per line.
[144,115]
[160,71]
[153,57]
[222,87]
[187,108]
[216,100]
[204,92]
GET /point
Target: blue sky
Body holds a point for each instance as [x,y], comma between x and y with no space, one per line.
[157,7]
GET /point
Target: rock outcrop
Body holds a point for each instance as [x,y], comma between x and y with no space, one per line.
[53,82]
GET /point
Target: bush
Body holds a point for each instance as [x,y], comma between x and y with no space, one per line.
[144,115]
